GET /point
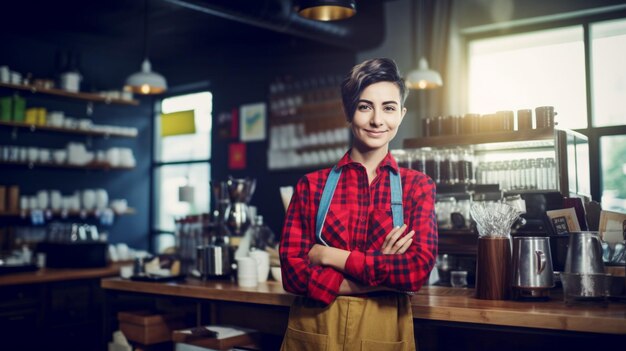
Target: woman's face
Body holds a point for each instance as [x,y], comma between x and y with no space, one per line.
[378,115]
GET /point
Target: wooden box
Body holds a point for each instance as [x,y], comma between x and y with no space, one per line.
[149,328]
[227,337]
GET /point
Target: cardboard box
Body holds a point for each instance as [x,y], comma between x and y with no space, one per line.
[149,328]
[227,337]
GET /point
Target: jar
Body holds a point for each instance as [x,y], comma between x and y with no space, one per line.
[402,157]
[524,119]
[417,160]
[465,166]
[432,165]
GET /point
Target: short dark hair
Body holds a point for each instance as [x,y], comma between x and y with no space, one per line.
[365,74]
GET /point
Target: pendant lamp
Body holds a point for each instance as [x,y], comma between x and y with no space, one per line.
[327,10]
[422,77]
[146,81]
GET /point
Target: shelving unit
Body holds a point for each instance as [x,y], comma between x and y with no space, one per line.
[68,94]
[104,131]
[91,166]
[76,131]
[59,214]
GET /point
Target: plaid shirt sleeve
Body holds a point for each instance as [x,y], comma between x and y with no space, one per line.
[408,271]
[299,275]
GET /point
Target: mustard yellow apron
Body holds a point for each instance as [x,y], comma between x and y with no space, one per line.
[373,323]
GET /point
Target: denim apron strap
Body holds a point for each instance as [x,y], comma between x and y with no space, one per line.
[327,196]
[396,198]
[329,191]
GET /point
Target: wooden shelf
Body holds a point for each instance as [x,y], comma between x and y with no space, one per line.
[93,165]
[68,94]
[495,140]
[34,128]
[71,213]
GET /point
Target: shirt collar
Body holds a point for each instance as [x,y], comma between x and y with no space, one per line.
[388,162]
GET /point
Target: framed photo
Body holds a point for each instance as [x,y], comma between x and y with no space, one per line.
[612,226]
[564,220]
[252,122]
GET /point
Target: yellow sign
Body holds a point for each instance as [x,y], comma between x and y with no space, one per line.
[178,123]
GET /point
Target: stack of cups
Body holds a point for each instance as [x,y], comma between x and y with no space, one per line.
[262,259]
[247,272]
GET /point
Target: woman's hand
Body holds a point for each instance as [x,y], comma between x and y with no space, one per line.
[316,254]
[395,243]
[329,256]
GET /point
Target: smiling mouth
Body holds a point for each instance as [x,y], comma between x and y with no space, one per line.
[375,132]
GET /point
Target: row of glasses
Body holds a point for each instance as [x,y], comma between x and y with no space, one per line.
[447,166]
[524,174]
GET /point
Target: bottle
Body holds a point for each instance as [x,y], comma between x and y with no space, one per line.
[465,167]
[262,235]
[432,165]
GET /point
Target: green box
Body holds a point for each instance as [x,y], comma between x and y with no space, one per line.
[19,108]
[6,108]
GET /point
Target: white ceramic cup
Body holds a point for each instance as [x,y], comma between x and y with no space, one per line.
[43,199]
[56,200]
[262,259]
[33,154]
[59,156]
[102,199]
[119,205]
[247,272]
[89,199]
[44,155]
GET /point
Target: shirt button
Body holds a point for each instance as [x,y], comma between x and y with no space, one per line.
[363,219]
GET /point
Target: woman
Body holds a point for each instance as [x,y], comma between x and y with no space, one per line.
[358,238]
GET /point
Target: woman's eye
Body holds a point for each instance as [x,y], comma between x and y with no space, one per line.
[363,107]
[390,108]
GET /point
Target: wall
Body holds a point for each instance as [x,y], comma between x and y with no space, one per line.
[102,69]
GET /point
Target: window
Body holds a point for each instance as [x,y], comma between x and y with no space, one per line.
[609,72]
[549,67]
[181,167]
[613,149]
[524,71]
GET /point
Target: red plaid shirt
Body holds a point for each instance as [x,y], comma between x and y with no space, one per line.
[358,220]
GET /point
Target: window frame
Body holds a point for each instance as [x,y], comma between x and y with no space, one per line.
[155,165]
[593,133]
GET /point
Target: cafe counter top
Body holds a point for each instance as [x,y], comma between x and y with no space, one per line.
[47,275]
[430,303]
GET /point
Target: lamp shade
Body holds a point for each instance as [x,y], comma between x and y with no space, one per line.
[146,82]
[327,10]
[423,77]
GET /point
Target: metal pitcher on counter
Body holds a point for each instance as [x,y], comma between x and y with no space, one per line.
[532,267]
[584,276]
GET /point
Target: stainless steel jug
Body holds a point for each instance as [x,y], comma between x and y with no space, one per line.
[214,261]
[584,253]
[532,267]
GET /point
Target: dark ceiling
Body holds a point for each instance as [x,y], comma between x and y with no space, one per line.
[178,24]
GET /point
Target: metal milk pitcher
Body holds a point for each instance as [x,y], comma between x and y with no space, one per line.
[584,253]
[532,266]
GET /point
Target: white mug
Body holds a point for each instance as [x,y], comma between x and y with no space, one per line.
[247,272]
[262,259]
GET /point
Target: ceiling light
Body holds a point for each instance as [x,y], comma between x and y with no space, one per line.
[145,81]
[327,10]
[423,77]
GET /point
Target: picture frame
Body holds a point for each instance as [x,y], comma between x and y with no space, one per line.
[252,119]
[612,226]
[564,220]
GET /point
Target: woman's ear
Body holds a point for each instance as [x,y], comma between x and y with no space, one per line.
[403,113]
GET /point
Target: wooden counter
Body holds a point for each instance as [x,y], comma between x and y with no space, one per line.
[46,275]
[431,303]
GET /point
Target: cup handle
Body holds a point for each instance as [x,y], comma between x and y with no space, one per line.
[541,261]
